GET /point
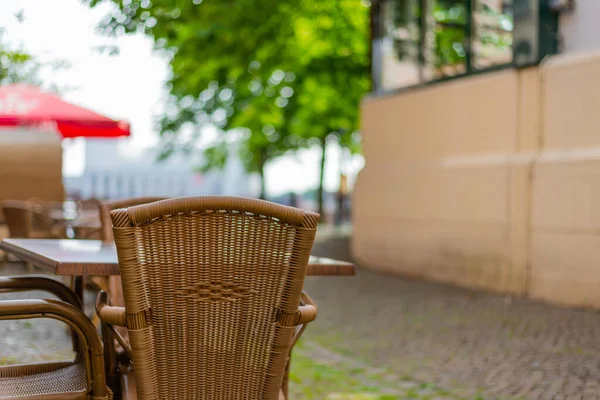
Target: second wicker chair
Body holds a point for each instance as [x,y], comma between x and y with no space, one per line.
[113,283]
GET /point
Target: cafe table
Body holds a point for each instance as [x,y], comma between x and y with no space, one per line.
[79,258]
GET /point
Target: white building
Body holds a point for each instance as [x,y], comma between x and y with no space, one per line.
[109,174]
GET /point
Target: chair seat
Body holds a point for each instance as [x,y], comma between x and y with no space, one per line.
[63,380]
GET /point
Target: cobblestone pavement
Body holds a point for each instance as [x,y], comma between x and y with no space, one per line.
[473,343]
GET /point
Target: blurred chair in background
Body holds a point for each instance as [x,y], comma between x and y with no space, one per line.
[88,226]
[25,220]
[112,284]
[43,220]
[18,216]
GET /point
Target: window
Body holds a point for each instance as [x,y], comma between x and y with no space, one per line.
[449,33]
[492,33]
[416,41]
[399,46]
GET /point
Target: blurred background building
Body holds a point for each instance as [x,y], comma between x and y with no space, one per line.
[482,146]
[108,174]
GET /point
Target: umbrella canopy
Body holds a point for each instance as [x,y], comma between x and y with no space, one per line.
[27,105]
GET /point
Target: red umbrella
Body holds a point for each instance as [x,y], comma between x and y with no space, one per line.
[27,105]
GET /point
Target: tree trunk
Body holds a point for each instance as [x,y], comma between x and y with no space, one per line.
[263,186]
[263,190]
[320,191]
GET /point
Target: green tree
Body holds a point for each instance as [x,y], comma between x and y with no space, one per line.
[283,72]
[252,119]
[224,63]
[333,55]
[16,65]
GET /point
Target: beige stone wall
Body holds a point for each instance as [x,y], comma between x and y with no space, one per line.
[487,182]
[566,184]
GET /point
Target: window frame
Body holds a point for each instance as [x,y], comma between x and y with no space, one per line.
[548,45]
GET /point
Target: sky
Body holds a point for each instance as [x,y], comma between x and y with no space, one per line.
[127,86]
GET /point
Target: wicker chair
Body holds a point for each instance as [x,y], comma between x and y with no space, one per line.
[90,203]
[82,378]
[213,294]
[113,283]
[107,206]
[20,218]
[18,215]
[87,228]
[22,283]
[115,359]
[24,220]
[41,218]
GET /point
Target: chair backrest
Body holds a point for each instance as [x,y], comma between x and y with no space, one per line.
[18,215]
[43,205]
[212,286]
[41,209]
[105,207]
[90,203]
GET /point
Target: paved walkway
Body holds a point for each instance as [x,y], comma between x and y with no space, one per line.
[471,343]
[416,334]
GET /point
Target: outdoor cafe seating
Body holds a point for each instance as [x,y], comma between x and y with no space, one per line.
[209,302]
[25,219]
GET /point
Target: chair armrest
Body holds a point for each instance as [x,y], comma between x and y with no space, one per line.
[308,311]
[92,349]
[111,316]
[19,283]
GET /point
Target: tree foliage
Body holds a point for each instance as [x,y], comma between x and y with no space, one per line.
[279,74]
[16,65]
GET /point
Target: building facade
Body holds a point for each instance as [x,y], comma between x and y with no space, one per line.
[482,146]
[109,174]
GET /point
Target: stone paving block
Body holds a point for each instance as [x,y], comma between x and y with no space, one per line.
[475,342]
[471,343]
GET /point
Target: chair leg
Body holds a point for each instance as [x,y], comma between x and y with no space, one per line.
[113,375]
[286,377]
[128,388]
